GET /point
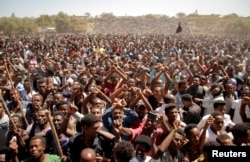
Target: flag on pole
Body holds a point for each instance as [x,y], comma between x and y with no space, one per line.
[179,28]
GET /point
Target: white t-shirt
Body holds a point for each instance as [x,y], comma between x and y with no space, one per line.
[208,103]
[210,135]
[27,96]
[150,159]
[161,110]
[67,91]
[236,106]
[4,120]
[227,121]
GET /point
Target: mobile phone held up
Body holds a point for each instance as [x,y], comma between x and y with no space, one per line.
[152,116]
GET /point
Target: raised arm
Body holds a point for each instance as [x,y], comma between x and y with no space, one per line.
[203,138]
[104,97]
[245,101]
[143,79]
[168,80]
[196,61]
[64,126]
[118,92]
[84,108]
[157,76]
[167,141]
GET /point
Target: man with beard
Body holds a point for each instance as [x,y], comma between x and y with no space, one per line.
[58,117]
[40,126]
[118,113]
[34,107]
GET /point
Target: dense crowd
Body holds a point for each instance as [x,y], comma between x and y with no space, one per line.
[122,97]
[139,25]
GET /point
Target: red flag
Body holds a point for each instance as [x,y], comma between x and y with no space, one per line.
[179,28]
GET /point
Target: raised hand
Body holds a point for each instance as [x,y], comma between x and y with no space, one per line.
[72,109]
[245,100]
[117,124]
[209,121]
[154,134]
[176,124]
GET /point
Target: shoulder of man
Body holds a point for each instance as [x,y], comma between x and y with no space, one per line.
[76,138]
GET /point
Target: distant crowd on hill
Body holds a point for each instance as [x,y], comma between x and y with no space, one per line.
[140,25]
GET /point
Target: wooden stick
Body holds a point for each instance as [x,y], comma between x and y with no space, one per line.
[13,88]
[7,111]
[12,65]
[10,118]
[30,83]
[55,137]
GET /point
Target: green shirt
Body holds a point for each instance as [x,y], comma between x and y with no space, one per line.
[49,158]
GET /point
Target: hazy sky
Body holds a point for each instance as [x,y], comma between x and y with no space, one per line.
[34,8]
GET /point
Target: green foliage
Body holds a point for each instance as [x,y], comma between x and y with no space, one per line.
[181,15]
[44,21]
[231,16]
[107,16]
[238,26]
[62,22]
[19,26]
[77,24]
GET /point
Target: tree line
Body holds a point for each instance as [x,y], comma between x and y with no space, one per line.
[64,23]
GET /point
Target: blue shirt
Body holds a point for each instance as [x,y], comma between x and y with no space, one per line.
[128,119]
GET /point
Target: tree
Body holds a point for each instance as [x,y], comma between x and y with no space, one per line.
[44,21]
[238,27]
[107,16]
[77,24]
[11,27]
[231,16]
[87,15]
[62,22]
[28,26]
[180,15]
[13,15]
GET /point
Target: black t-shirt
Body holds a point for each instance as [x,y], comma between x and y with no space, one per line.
[153,102]
[102,146]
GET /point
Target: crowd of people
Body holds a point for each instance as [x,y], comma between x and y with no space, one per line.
[140,25]
[108,97]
